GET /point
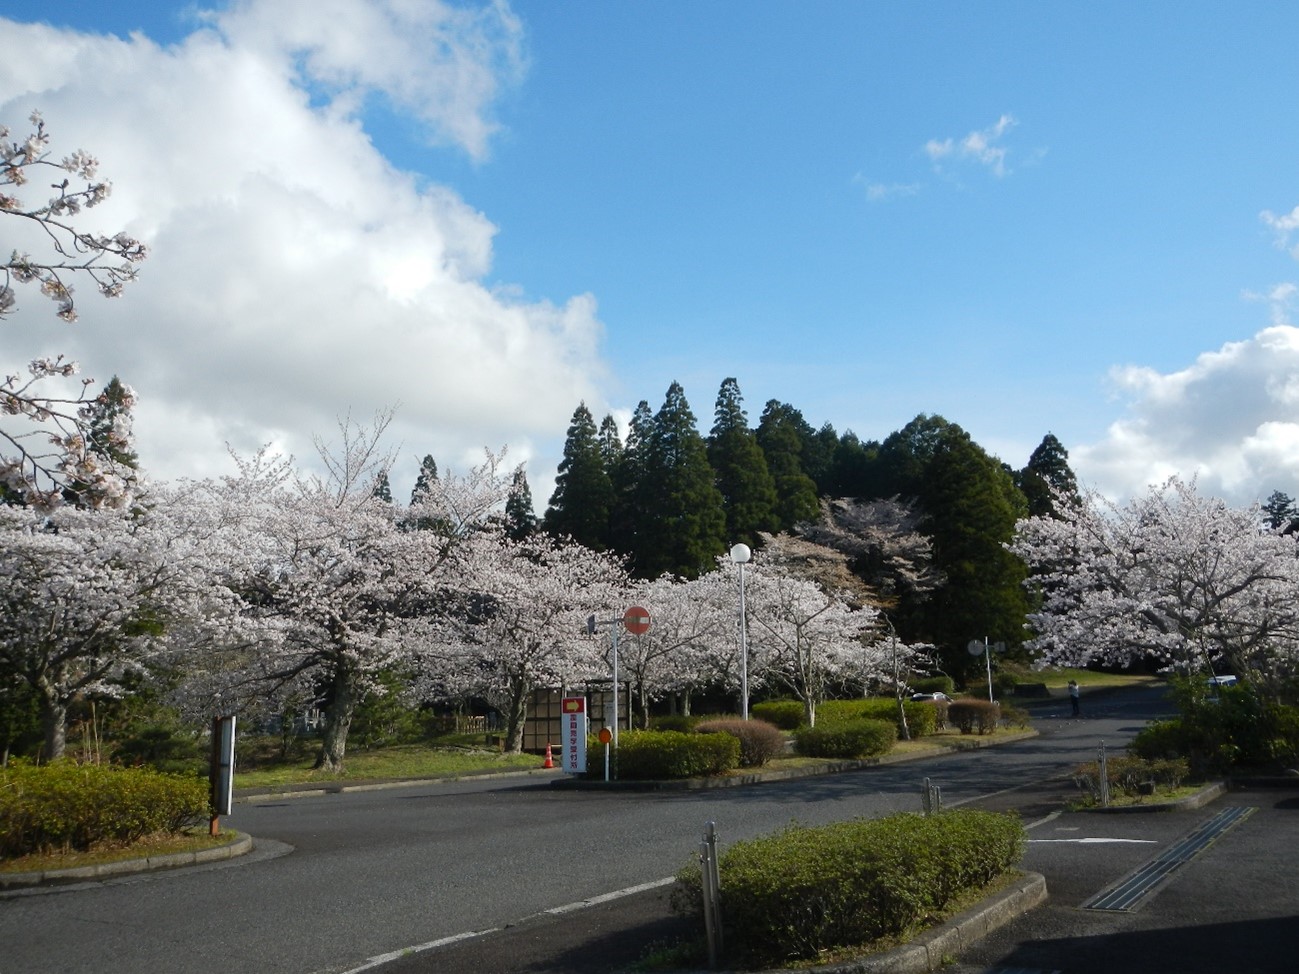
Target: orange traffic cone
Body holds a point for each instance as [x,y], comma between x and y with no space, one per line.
[549,762]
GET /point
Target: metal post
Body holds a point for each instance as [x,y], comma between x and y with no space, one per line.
[740,554]
[710,882]
[987,656]
[614,630]
[1104,783]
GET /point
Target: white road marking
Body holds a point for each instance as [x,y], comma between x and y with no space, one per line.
[381,959]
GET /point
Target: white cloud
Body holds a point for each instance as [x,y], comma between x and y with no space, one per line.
[1231,419]
[295,273]
[981,146]
[879,192]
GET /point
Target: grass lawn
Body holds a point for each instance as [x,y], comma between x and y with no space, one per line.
[1058,679]
[406,761]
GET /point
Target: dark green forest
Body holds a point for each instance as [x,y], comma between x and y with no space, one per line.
[671,500]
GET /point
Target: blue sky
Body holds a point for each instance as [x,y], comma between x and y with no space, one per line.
[1026,217]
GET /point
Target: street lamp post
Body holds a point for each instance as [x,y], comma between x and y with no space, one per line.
[740,554]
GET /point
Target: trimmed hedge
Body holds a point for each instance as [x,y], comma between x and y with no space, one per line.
[970,715]
[65,806]
[759,741]
[803,891]
[662,755]
[785,714]
[847,740]
[921,715]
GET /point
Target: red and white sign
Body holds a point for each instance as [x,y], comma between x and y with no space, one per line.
[573,728]
[636,620]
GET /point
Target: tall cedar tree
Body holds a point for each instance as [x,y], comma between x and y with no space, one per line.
[104,439]
[969,505]
[684,528]
[1047,471]
[748,490]
[382,487]
[782,433]
[1280,513]
[583,499]
[626,468]
[521,520]
[428,475]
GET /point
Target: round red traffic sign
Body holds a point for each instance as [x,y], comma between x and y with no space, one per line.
[636,620]
[605,735]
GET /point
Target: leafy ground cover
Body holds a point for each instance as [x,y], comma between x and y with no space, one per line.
[194,840]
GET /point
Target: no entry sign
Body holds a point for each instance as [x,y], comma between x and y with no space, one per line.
[636,620]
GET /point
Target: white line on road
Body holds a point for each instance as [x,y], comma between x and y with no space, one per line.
[387,958]
[1094,841]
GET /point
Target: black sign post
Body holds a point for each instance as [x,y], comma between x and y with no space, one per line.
[222,773]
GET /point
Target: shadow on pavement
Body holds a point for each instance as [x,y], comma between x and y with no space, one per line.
[1257,946]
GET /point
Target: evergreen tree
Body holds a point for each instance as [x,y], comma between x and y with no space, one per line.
[1047,471]
[521,520]
[969,505]
[855,469]
[610,444]
[781,434]
[382,487]
[626,472]
[1280,513]
[108,437]
[582,503]
[748,491]
[684,525]
[428,475]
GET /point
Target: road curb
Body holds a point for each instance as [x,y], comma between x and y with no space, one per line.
[1187,804]
[241,845]
[342,788]
[936,947]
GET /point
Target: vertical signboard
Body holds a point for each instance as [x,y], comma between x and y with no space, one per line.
[223,767]
[573,724]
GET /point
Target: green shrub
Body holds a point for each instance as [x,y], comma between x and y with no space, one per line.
[1222,730]
[1127,775]
[666,755]
[921,715]
[759,741]
[970,715]
[65,806]
[1016,717]
[935,684]
[682,723]
[847,740]
[786,714]
[790,896]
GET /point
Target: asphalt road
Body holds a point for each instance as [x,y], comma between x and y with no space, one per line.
[341,881]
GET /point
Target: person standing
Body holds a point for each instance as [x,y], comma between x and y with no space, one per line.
[1075,700]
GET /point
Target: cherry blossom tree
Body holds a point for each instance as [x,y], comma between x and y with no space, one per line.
[1173,575]
[692,640]
[92,596]
[49,446]
[808,626]
[518,622]
[339,584]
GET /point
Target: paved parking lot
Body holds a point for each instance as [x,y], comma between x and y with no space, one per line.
[1232,907]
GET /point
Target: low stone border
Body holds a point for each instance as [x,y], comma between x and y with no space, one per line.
[1188,804]
[937,946]
[239,846]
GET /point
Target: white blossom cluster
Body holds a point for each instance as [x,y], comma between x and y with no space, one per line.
[74,251]
[50,450]
[1173,575]
[268,590]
